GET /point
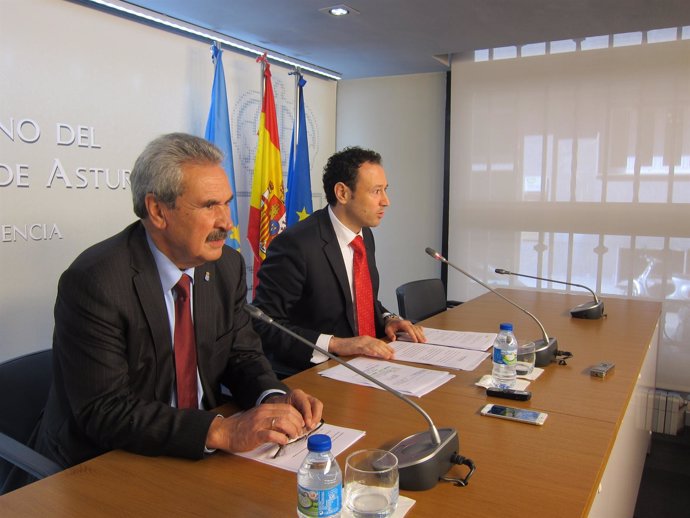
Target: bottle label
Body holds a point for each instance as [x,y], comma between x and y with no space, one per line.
[504,357]
[319,502]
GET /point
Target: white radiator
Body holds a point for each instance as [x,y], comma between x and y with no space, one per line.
[665,412]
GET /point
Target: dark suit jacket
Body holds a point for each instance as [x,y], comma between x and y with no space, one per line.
[113,361]
[303,285]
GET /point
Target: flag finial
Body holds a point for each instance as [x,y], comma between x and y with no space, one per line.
[215,51]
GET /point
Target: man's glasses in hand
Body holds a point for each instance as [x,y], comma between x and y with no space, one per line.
[284,448]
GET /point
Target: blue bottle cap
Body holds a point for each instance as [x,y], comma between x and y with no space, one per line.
[319,442]
[506,326]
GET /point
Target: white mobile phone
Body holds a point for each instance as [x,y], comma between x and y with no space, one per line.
[515,414]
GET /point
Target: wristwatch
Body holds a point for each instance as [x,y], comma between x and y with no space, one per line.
[388,316]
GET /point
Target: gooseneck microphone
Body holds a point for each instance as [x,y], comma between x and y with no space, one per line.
[545,347]
[423,458]
[591,310]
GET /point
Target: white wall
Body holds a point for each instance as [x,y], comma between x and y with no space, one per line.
[401,117]
[125,83]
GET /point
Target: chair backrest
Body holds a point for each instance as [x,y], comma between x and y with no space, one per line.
[24,385]
[421,299]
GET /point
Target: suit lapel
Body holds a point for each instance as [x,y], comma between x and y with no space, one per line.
[332,251]
[204,311]
[371,259]
[148,288]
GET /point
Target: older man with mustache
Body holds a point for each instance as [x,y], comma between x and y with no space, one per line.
[150,323]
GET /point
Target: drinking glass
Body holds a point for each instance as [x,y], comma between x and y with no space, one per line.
[371,483]
[526,356]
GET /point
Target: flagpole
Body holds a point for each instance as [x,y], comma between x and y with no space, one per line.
[298,75]
[262,82]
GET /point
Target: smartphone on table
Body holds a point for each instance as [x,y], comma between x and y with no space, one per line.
[522,415]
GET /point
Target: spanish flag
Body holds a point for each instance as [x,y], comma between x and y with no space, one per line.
[267,203]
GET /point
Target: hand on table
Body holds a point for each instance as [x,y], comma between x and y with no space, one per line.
[364,345]
[279,419]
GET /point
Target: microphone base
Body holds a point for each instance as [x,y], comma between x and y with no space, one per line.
[421,462]
[545,352]
[591,310]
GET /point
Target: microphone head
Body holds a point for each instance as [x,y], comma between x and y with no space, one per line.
[433,253]
[501,271]
[255,312]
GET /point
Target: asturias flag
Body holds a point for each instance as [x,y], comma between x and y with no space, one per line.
[298,203]
[267,203]
[218,132]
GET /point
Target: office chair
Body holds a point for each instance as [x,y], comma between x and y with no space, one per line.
[422,299]
[282,370]
[24,385]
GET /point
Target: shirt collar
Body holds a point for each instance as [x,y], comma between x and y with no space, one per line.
[344,234]
[167,271]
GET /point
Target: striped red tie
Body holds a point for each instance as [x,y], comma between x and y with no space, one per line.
[185,347]
[364,295]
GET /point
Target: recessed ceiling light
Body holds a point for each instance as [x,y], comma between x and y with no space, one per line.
[339,10]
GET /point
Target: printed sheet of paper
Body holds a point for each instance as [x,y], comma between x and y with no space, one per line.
[291,456]
[460,339]
[450,357]
[413,381]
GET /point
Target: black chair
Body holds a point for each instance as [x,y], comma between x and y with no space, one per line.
[422,299]
[24,385]
[282,371]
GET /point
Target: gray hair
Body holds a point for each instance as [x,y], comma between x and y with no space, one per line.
[158,170]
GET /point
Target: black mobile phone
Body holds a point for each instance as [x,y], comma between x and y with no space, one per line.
[517,395]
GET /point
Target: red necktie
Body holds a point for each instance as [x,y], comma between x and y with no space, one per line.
[364,296]
[185,347]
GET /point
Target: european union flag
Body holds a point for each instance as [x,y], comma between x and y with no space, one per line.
[218,132]
[298,202]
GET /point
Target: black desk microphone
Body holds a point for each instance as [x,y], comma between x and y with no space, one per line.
[591,310]
[423,458]
[545,347]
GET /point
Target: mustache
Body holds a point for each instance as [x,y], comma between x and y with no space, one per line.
[217,235]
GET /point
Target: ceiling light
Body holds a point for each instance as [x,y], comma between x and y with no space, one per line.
[339,10]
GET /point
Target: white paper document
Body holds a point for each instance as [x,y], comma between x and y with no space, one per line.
[450,357]
[461,339]
[413,381]
[290,457]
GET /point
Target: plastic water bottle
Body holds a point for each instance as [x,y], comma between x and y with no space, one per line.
[319,480]
[505,357]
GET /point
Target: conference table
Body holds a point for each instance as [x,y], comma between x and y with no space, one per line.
[586,460]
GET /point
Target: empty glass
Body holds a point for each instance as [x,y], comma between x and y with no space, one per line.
[371,483]
[526,356]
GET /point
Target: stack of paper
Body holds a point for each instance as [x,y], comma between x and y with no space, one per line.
[450,357]
[291,456]
[460,339]
[461,350]
[408,380]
